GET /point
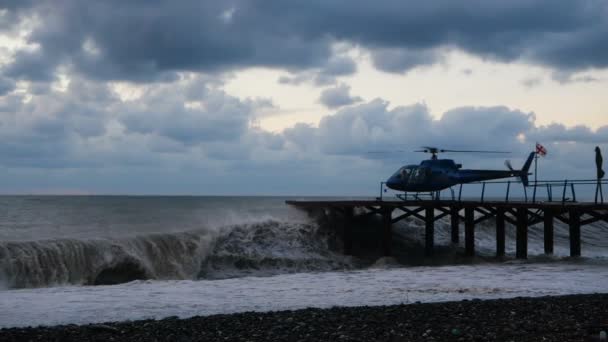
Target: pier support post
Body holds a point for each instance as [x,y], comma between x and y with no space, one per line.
[429,232]
[500,232]
[386,231]
[575,233]
[548,230]
[521,248]
[454,222]
[348,231]
[469,231]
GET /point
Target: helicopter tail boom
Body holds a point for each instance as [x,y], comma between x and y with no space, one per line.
[524,171]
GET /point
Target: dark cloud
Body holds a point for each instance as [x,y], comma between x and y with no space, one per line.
[326,75]
[467,72]
[340,66]
[191,130]
[338,97]
[146,40]
[220,117]
[372,126]
[582,134]
[402,60]
[6,85]
[532,82]
[89,125]
[569,77]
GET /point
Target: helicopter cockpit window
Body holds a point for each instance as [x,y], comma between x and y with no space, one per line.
[419,175]
[404,174]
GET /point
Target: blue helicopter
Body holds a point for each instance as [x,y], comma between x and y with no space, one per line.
[435,174]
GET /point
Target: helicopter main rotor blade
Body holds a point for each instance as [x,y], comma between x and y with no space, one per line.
[474,151]
[383,152]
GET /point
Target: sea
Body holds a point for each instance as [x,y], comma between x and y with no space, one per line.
[93,259]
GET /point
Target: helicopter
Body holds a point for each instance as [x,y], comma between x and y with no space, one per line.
[435,174]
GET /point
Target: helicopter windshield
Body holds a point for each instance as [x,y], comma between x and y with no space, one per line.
[419,175]
[404,173]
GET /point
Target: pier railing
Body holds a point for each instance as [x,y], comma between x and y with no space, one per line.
[538,190]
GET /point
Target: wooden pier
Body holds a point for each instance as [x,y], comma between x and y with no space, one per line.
[522,215]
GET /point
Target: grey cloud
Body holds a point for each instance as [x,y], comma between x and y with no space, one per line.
[222,118]
[340,66]
[88,132]
[402,60]
[302,135]
[532,82]
[6,85]
[372,126]
[560,133]
[35,66]
[145,40]
[569,77]
[326,75]
[338,97]
[88,125]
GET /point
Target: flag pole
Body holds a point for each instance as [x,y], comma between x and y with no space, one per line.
[536,164]
[535,168]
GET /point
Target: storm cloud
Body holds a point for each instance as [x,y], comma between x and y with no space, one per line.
[65,117]
[338,97]
[150,40]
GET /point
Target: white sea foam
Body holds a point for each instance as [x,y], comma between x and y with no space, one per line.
[220,255]
[157,299]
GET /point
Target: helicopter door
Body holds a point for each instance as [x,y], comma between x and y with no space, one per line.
[420,175]
[404,174]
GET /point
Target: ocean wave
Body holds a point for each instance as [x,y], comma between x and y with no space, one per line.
[257,248]
[267,247]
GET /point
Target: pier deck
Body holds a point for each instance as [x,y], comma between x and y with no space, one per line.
[521,214]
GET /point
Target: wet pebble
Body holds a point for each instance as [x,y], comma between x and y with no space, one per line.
[565,318]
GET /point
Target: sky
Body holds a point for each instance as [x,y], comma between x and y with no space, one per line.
[275,97]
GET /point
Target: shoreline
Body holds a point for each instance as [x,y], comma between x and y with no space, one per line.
[552,318]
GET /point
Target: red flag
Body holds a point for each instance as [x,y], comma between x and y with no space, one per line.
[541,150]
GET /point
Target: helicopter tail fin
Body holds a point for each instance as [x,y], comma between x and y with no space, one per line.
[526,168]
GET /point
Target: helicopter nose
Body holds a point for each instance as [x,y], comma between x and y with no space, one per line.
[391,182]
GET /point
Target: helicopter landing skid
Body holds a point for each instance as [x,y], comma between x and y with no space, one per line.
[417,196]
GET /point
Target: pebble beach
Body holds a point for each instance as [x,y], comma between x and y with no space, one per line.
[556,318]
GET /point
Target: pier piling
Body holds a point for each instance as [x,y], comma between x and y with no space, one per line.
[469,231]
[548,230]
[387,231]
[500,232]
[429,232]
[454,220]
[575,232]
[348,231]
[519,213]
[521,243]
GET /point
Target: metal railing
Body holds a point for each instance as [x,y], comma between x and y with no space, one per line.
[567,187]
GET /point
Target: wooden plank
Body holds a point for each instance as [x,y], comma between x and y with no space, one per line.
[408,213]
[445,203]
[594,218]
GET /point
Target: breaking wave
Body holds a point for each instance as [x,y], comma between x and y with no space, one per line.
[264,247]
[267,247]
